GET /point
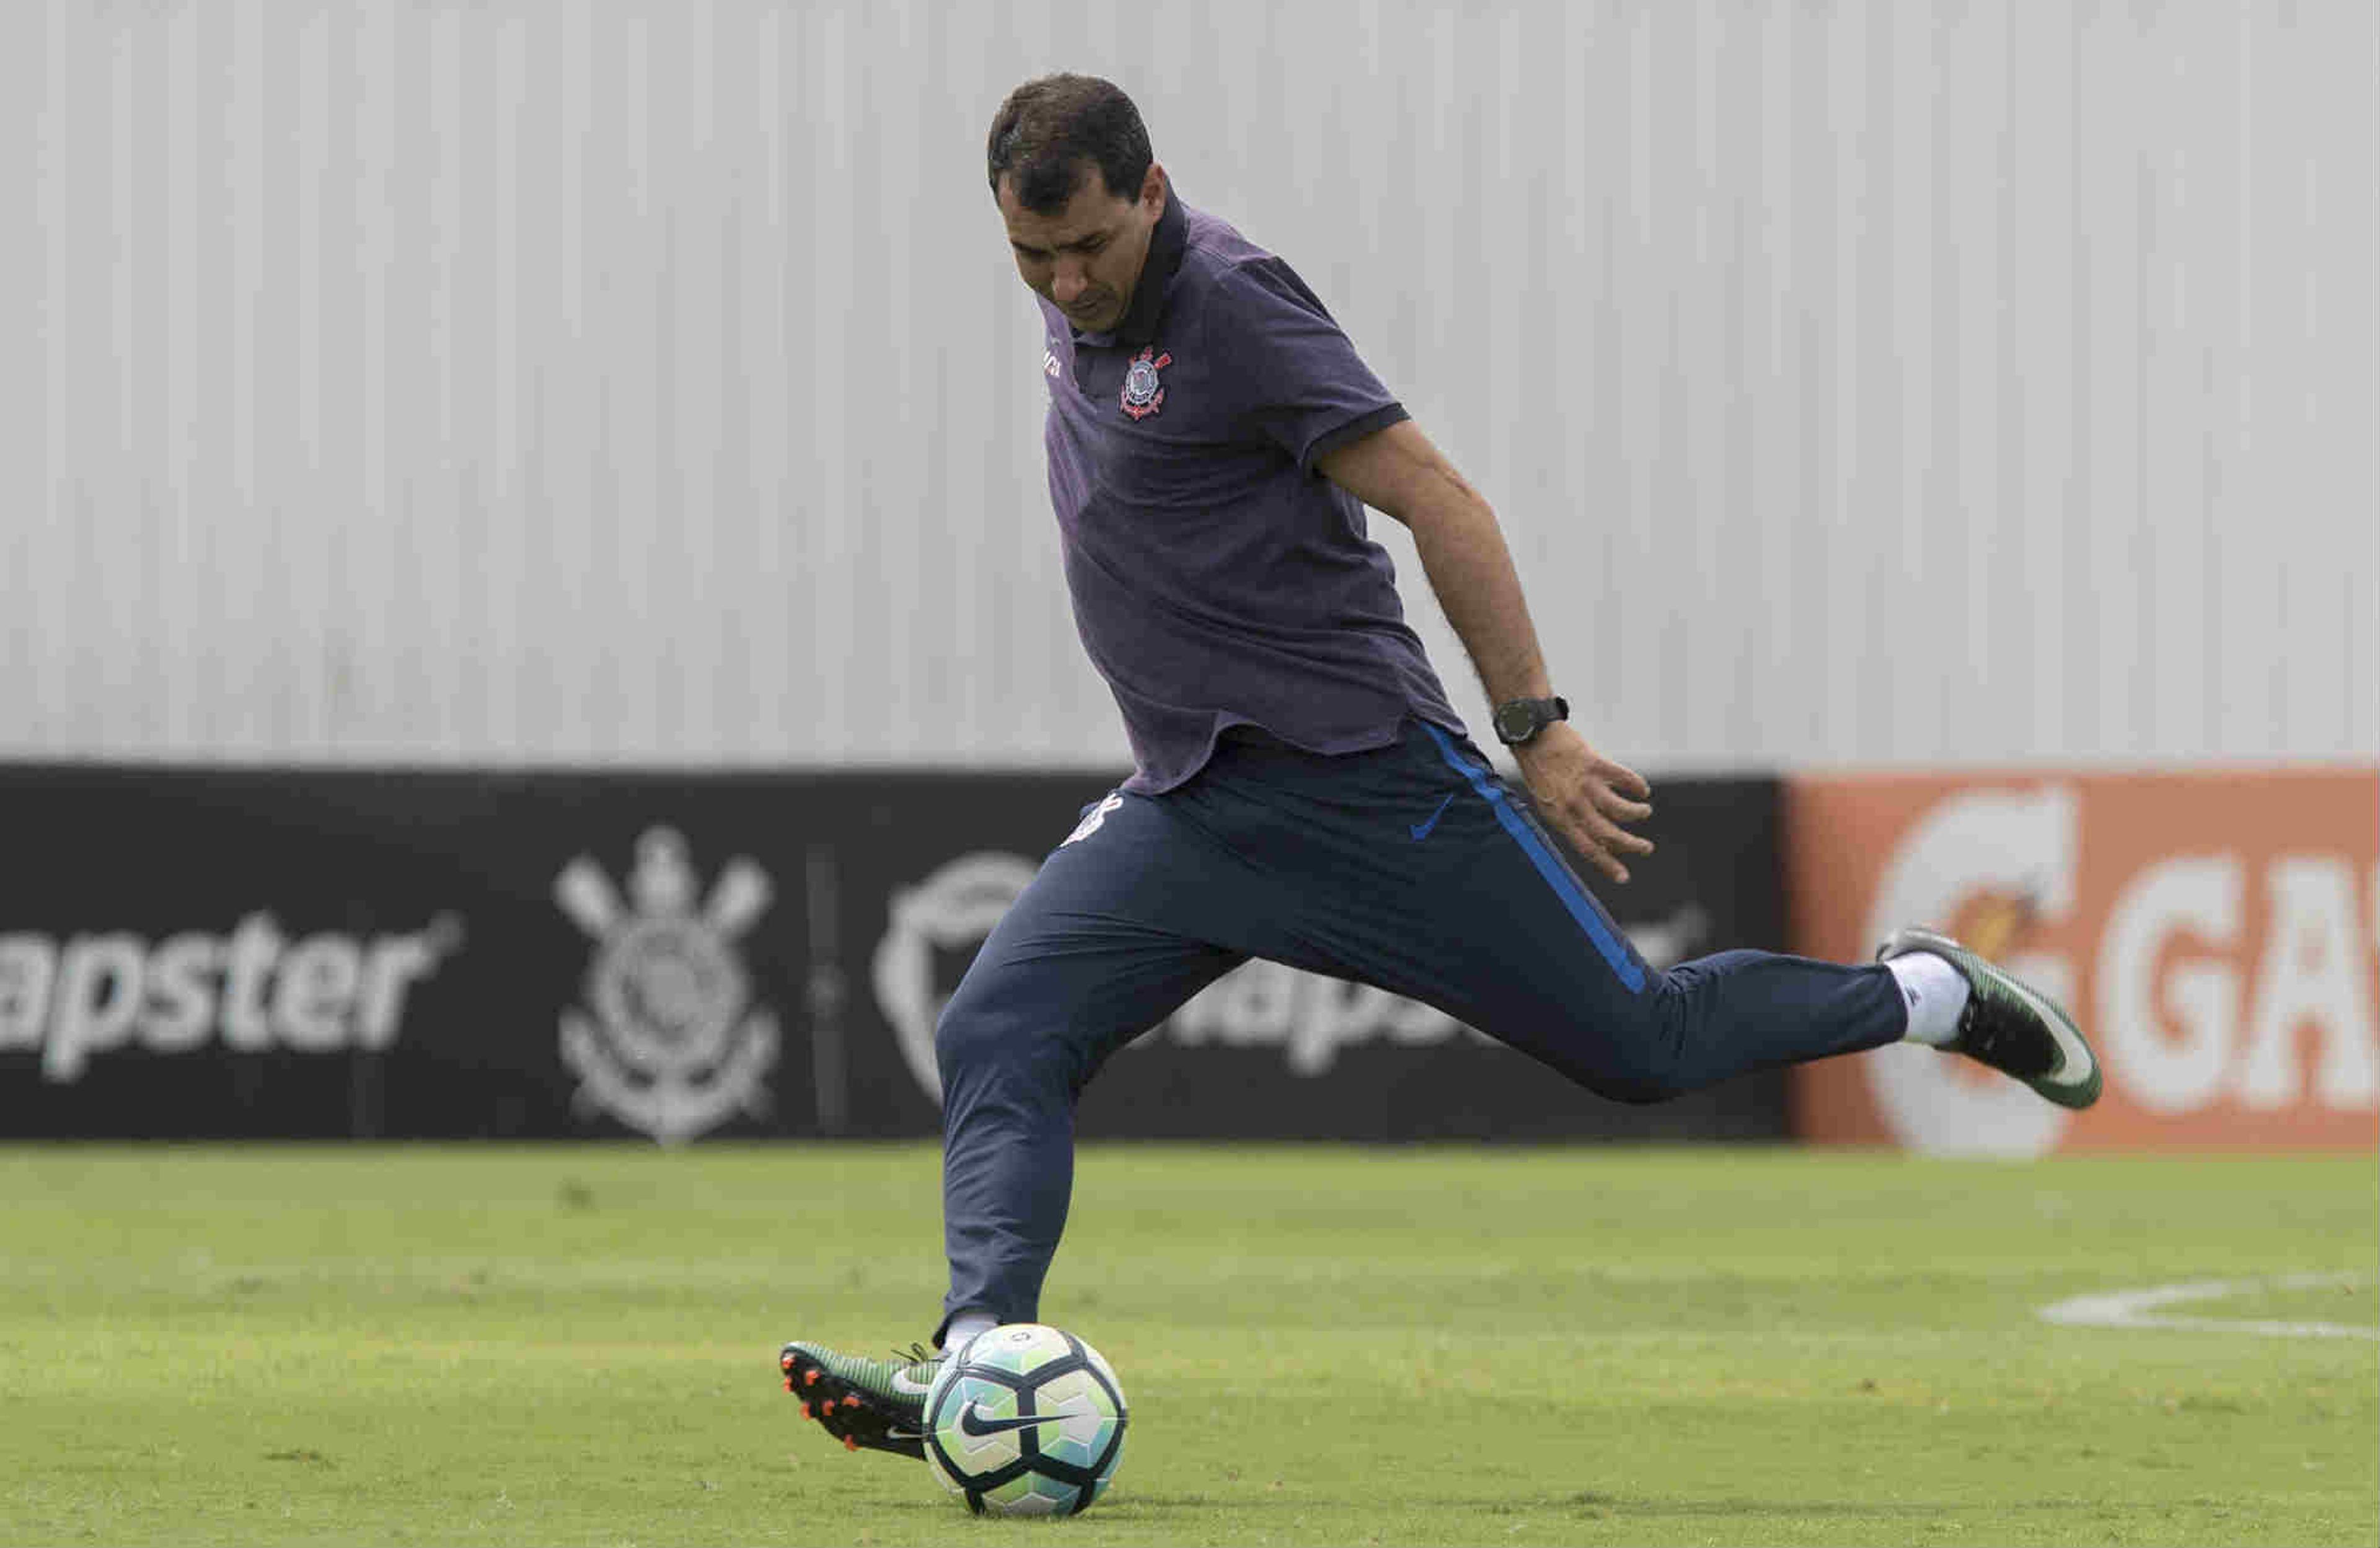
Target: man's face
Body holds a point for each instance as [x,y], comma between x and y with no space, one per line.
[1088,257]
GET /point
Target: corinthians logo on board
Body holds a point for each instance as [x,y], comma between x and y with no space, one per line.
[675,1045]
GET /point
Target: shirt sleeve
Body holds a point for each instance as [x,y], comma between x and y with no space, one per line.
[1300,381]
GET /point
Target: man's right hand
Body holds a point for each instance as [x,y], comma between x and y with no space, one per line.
[1586,796]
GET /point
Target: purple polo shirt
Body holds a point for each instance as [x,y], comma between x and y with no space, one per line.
[1217,580]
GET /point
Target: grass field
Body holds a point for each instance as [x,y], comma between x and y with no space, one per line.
[577,1345]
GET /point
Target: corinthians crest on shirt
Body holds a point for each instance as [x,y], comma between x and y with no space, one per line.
[1143,394]
[670,1041]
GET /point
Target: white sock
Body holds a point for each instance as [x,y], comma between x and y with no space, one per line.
[1935,993]
[963,1326]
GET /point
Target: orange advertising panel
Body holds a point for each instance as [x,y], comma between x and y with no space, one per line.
[2216,934]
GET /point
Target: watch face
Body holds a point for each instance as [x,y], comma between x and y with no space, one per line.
[1516,723]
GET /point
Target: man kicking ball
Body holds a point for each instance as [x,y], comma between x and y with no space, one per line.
[1302,791]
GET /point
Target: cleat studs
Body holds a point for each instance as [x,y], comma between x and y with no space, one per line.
[851,1401]
[810,1378]
[851,1442]
[806,1412]
[785,1362]
[789,1384]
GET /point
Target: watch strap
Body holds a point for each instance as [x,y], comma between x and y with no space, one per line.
[1539,713]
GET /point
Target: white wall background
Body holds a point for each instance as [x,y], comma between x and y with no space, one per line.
[637,380]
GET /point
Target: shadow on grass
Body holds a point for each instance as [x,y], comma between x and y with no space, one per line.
[1599,1506]
[1655,1507]
[1113,1507]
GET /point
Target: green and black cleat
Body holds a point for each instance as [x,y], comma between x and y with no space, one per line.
[2013,1029]
[876,1405]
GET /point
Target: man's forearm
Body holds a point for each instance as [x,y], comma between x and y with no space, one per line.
[1471,570]
[1582,794]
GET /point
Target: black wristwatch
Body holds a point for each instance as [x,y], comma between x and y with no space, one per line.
[1519,720]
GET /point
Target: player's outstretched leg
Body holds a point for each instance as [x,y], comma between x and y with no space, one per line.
[1418,869]
[2007,1025]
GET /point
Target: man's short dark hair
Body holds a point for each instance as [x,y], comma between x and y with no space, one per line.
[1048,128]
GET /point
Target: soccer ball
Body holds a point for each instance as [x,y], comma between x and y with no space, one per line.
[1025,1420]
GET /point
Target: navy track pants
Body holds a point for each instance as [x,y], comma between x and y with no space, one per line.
[1414,868]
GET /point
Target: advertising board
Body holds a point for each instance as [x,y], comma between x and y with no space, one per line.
[192,953]
[2215,934]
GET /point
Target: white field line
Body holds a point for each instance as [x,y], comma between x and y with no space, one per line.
[2140,1309]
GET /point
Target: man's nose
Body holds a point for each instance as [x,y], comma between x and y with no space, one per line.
[1067,283]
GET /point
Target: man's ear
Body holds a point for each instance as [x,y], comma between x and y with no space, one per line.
[1152,189]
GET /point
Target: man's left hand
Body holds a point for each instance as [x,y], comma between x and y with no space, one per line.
[1586,796]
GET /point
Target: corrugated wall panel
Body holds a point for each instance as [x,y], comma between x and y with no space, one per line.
[646,382]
